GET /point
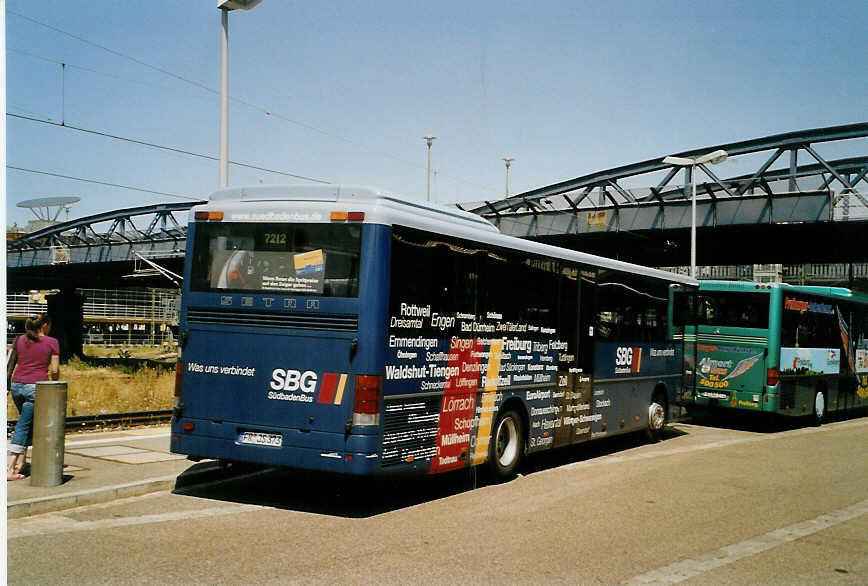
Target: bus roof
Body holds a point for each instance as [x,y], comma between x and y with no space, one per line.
[346,194]
[821,291]
[313,203]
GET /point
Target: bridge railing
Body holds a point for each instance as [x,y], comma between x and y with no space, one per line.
[824,274]
[18,304]
[722,272]
[831,274]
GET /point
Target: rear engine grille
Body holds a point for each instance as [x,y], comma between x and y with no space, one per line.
[410,430]
[259,319]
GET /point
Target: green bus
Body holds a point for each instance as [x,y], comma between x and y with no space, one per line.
[773,348]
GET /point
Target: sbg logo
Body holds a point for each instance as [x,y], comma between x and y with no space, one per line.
[623,356]
[293,380]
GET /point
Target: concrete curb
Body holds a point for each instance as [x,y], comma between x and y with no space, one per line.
[210,474]
[48,504]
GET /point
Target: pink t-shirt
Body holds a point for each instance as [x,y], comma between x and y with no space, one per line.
[34,358]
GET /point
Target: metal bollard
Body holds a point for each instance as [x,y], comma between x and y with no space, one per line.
[49,428]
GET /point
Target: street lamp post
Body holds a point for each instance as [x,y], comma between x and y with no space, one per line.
[225,6]
[429,139]
[508,160]
[714,158]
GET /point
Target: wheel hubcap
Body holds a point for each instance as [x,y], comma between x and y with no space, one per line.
[656,416]
[507,442]
[819,405]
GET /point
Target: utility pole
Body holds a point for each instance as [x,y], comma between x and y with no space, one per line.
[508,160]
[429,138]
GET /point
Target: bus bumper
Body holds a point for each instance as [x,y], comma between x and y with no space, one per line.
[743,400]
[334,452]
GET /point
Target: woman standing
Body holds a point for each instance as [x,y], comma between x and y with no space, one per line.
[38,360]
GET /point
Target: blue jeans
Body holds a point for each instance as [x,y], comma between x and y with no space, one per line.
[23,395]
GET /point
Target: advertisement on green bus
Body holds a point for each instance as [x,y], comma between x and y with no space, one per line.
[724,370]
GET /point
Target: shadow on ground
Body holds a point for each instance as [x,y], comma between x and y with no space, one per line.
[340,496]
[765,422]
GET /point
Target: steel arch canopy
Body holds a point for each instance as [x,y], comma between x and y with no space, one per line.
[86,240]
[575,195]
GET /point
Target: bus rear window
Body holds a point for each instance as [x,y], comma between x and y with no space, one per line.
[293,259]
[732,309]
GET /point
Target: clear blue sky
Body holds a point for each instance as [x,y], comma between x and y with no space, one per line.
[567,88]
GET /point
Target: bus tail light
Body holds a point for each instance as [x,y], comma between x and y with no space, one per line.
[772,377]
[366,405]
[337,216]
[179,373]
[177,407]
[218,216]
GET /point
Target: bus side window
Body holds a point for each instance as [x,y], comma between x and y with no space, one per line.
[521,290]
[810,329]
[434,270]
[629,310]
[860,328]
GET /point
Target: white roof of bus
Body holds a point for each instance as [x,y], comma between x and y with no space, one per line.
[314,203]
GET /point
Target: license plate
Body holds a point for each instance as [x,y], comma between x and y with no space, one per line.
[260,439]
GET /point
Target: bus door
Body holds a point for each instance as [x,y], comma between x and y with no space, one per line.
[583,382]
[576,356]
[682,330]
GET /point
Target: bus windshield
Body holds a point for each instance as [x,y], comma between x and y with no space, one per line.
[733,309]
[296,259]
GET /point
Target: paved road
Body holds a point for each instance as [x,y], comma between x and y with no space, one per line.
[707,505]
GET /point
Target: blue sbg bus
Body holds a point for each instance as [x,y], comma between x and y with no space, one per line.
[347,330]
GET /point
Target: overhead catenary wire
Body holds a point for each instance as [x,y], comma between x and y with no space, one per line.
[162,147]
[106,183]
[266,111]
[114,76]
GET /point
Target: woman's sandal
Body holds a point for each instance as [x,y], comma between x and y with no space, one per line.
[10,477]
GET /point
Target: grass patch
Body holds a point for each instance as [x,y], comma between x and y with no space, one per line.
[94,390]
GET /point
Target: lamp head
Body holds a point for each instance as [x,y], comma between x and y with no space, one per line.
[678,161]
[237,4]
[714,157]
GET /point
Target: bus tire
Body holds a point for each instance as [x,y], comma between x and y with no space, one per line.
[507,445]
[656,417]
[819,410]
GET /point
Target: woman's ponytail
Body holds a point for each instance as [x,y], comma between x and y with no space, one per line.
[33,324]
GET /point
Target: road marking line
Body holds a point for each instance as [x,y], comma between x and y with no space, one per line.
[53,523]
[691,567]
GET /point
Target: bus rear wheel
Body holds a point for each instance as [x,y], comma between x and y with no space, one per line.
[819,407]
[507,445]
[656,417]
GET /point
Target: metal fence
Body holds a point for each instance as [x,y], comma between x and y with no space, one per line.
[130,338]
[111,316]
[131,305]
